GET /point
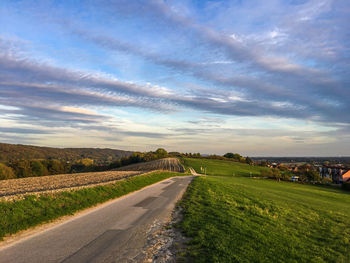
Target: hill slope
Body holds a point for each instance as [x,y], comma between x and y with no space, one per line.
[26,152]
[241,219]
[221,167]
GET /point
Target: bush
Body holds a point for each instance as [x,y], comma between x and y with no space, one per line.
[235,156]
[6,172]
[249,161]
[283,168]
[326,180]
[286,175]
[271,173]
[276,174]
[266,173]
[263,163]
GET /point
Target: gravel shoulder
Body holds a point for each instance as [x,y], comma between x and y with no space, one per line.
[168,244]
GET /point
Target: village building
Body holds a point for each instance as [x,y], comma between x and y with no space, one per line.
[346,177]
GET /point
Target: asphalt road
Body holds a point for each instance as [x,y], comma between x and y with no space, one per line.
[116,232]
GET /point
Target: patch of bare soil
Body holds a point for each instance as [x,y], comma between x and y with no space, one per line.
[167,245]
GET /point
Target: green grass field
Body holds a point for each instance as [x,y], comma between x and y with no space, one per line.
[221,167]
[240,219]
[34,210]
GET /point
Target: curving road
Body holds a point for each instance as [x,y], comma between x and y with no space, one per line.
[114,232]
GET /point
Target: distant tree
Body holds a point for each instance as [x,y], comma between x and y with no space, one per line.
[285,175]
[86,162]
[21,168]
[115,164]
[56,167]
[263,163]
[305,167]
[271,173]
[6,172]
[149,156]
[238,157]
[175,154]
[38,169]
[266,173]
[313,176]
[248,160]
[276,174]
[308,173]
[283,168]
[216,157]
[109,159]
[125,161]
[136,157]
[229,155]
[326,180]
[302,177]
[161,153]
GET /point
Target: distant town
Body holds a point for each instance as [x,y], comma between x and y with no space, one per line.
[335,169]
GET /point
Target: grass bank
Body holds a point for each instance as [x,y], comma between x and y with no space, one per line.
[237,219]
[222,167]
[34,210]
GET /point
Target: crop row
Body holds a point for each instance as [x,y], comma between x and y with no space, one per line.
[166,164]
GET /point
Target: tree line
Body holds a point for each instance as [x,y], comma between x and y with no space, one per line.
[10,152]
[235,157]
[37,167]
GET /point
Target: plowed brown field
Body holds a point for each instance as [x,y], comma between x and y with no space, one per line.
[60,181]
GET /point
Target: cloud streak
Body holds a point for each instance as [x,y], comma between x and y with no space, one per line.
[66,87]
[303,88]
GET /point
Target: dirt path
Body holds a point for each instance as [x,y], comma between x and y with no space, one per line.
[193,172]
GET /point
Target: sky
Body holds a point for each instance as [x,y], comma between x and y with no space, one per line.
[260,78]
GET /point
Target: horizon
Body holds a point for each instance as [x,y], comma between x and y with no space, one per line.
[267,78]
[169,151]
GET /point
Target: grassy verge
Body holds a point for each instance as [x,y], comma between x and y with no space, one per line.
[237,219]
[221,167]
[34,210]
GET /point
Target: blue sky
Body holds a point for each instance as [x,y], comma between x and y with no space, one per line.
[254,77]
